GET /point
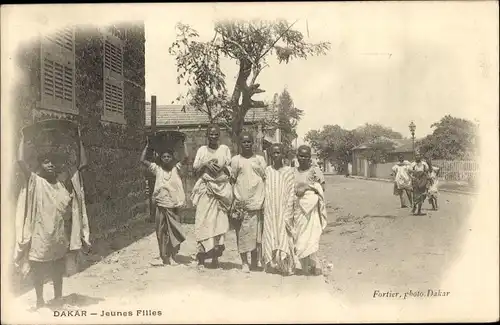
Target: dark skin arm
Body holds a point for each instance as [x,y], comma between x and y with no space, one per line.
[143,159]
[210,166]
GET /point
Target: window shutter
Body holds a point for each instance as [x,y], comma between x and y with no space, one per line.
[58,71]
[113,57]
[113,79]
[113,97]
[63,37]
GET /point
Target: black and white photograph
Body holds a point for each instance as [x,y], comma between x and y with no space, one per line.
[264,162]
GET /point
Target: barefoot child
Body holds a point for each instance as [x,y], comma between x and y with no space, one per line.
[432,191]
[309,211]
[248,174]
[168,196]
[51,220]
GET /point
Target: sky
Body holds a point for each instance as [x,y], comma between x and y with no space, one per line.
[389,63]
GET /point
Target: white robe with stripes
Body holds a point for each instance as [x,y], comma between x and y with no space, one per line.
[278,233]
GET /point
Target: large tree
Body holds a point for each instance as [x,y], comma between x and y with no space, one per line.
[371,132]
[248,43]
[331,143]
[335,144]
[452,139]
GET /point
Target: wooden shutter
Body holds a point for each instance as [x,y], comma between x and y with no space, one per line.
[113,57]
[113,79]
[63,37]
[113,96]
[58,71]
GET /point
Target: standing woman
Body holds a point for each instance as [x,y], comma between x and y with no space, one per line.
[168,196]
[249,176]
[419,173]
[402,181]
[309,211]
[279,233]
[212,196]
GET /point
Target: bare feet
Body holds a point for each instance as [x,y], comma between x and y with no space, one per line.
[40,304]
[158,262]
[245,268]
[215,263]
[172,261]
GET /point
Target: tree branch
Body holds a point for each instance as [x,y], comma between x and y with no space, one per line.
[276,41]
[242,49]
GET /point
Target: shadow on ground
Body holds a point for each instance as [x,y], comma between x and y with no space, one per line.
[138,228]
[78,300]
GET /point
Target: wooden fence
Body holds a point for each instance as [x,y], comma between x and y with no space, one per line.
[450,170]
[457,170]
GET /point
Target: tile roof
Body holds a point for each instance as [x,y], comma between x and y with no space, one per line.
[172,115]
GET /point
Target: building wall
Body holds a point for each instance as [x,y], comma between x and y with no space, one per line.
[113,182]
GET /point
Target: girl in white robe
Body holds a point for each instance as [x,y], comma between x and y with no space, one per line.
[212,196]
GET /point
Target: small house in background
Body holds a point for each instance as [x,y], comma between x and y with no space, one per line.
[362,166]
[193,123]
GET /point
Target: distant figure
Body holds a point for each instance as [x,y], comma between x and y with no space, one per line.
[420,178]
[309,211]
[433,190]
[278,235]
[402,181]
[248,172]
[168,196]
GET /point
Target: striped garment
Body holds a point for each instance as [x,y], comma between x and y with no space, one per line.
[278,233]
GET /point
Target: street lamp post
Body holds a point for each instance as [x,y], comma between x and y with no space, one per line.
[412,127]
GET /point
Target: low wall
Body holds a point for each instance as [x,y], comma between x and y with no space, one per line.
[381,170]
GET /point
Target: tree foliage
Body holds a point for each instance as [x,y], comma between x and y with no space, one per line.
[452,139]
[286,118]
[335,144]
[250,44]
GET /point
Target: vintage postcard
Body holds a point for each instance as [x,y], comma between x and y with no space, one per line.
[319,162]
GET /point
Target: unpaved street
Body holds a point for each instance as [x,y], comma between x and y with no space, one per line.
[370,244]
[376,245]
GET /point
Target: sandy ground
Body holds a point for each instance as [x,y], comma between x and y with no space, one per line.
[376,245]
[370,244]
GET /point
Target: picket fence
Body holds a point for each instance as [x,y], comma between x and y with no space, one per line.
[457,170]
[450,170]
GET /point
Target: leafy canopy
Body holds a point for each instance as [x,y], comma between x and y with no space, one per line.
[335,143]
[248,43]
[452,139]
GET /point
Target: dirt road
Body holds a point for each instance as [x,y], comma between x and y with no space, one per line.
[376,245]
[371,243]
